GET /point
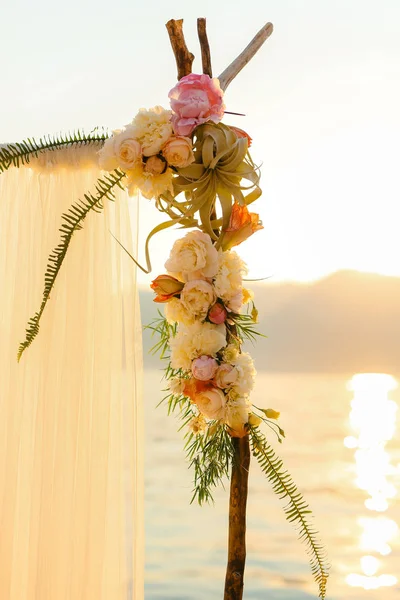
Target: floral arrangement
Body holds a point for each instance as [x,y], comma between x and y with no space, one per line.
[200,174]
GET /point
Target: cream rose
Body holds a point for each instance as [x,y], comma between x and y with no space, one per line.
[235,302]
[152,128]
[198,424]
[176,385]
[211,404]
[226,376]
[230,353]
[193,257]
[175,312]
[150,185]
[246,373]
[120,150]
[237,416]
[178,151]
[197,296]
[228,281]
[196,340]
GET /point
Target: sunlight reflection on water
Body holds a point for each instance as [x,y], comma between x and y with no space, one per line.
[373,419]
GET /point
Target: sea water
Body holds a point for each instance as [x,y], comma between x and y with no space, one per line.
[342,448]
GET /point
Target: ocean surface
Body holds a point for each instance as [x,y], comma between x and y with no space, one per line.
[342,448]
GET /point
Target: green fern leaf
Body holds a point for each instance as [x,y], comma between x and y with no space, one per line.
[296,510]
[71,221]
[20,153]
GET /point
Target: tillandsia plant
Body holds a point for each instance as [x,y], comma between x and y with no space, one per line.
[200,174]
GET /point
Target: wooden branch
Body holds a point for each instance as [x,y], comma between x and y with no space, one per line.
[241,61]
[205,46]
[234,580]
[183,57]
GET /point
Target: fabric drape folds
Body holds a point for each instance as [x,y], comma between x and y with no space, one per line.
[71,481]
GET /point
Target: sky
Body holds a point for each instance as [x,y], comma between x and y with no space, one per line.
[321,100]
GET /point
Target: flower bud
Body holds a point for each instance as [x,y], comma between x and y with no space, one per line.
[155,165]
[217,313]
[166,287]
[270,413]
[242,225]
[254,420]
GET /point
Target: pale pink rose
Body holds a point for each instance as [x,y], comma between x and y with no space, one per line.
[195,99]
[204,368]
[225,376]
[217,313]
[178,151]
[211,404]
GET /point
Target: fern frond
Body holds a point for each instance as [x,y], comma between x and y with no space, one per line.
[211,456]
[296,510]
[71,221]
[20,153]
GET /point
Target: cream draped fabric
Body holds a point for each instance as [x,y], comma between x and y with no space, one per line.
[71,481]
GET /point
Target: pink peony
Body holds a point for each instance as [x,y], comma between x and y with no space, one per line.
[204,368]
[195,99]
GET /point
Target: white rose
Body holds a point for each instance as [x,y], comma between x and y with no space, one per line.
[228,281]
[196,340]
[178,151]
[211,404]
[237,416]
[197,296]
[152,128]
[193,257]
[246,373]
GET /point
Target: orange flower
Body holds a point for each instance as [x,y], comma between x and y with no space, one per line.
[242,225]
[242,134]
[193,387]
[166,287]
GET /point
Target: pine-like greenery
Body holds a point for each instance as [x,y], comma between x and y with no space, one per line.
[20,153]
[72,221]
[296,510]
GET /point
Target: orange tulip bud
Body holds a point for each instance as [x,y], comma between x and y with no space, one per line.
[242,225]
[242,134]
[166,287]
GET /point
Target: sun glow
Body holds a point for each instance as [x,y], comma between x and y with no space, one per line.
[373,419]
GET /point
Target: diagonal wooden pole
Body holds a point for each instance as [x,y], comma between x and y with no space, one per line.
[234,581]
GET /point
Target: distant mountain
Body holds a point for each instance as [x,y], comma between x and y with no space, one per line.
[348,322]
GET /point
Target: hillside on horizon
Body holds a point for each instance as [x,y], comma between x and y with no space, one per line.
[347,322]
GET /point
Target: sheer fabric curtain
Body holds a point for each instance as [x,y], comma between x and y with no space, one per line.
[71,480]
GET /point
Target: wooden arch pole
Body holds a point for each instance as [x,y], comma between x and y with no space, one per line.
[234,580]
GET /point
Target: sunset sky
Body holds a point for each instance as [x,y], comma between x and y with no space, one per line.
[322,101]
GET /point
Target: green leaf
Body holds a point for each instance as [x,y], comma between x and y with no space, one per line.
[296,509]
[20,153]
